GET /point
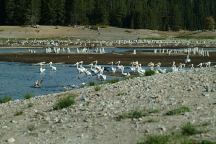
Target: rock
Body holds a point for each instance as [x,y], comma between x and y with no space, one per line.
[205,94]
[11,140]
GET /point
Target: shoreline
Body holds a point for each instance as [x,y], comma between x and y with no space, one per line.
[92,118]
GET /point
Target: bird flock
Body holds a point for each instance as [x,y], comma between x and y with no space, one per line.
[116,68]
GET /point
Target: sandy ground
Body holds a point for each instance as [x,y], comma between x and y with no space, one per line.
[91,120]
[109,33]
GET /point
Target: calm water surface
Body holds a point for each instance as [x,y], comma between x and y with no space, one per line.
[17,79]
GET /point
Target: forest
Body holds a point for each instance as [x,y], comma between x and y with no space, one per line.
[135,14]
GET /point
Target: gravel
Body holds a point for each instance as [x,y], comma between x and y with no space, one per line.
[91,120]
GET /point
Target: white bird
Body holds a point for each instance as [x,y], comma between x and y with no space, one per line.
[52,67]
[187,60]
[42,70]
[123,73]
[174,68]
[118,65]
[95,71]
[112,67]
[140,70]
[80,70]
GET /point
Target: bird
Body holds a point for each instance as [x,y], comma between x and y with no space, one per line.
[140,70]
[52,67]
[113,69]
[187,60]
[42,70]
[174,68]
[122,71]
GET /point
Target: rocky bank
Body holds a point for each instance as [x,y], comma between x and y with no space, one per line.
[92,119]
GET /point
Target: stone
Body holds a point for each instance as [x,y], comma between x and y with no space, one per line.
[11,140]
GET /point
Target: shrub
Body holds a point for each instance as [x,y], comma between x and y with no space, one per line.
[91,83]
[18,113]
[5,99]
[132,114]
[30,105]
[64,102]
[167,139]
[149,72]
[189,129]
[113,81]
[178,111]
[28,96]
[97,88]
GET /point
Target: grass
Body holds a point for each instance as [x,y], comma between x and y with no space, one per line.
[64,102]
[92,84]
[149,73]
[178,111]
[112,81]
[189,129]
[97,88]
[5,99]
[121,94]
[134,114]
[30,105]
[167,139]
[18,113]
[28,96]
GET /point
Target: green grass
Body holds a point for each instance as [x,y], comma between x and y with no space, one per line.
[92,84]
[18,113]
[189,129]
[64,102]
[166,139]
[149,73]
[178,111]
[30,105]
[5,99]
[112,81]
[134,114]
[28,96]
[121,94]
[97,88]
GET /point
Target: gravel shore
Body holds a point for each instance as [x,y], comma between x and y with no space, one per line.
[92,119]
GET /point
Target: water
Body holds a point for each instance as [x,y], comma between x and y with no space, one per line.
[92,50]
[17,79]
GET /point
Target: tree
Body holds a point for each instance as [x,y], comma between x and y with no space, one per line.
[210,23]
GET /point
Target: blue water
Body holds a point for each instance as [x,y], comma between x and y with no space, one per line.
[92,50]
[17,79]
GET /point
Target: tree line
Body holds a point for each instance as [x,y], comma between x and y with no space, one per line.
[148,14]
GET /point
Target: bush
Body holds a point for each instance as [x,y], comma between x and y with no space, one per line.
[97,88]
[178,111]
[91,83]
[28,96]
[167,139]
[5,99]
[189,129]
[64,102]
[113,81]
[18,113]
[149,72]
[132,114]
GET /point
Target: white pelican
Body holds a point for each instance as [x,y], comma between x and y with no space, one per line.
[52,67]
[187,60]
[42,70]
[112,67]
[122,71]
[140,70]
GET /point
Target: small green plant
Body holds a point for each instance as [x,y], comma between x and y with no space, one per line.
[31,127]
[206,142]
[5,99]
[112,81]
[97,88]
[91,83]
[64,102]
[28,96]
[167,139]
[121,94]
[132,114]
[149,72]
[30,105]
[189,129]
[18,113]
[178,111]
